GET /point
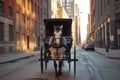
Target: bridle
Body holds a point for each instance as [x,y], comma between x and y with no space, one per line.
[54,43]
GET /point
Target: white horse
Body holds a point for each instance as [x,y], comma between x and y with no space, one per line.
[57,48]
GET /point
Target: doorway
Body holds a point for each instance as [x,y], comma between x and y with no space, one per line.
[28,42]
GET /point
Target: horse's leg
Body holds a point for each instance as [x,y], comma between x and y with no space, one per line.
[55,66]
[53,55]
[61,51]
[60,67]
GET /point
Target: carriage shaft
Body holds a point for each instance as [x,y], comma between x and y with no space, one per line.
[58,59]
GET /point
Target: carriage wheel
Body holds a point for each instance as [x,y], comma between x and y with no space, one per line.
[41,59]
[46,59]
[74,60]
[69,60]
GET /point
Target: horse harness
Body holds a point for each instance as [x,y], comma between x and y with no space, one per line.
[54,45]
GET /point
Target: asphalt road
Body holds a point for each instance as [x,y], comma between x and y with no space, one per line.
[90,66]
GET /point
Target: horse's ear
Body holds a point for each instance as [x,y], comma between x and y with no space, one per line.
[61,26]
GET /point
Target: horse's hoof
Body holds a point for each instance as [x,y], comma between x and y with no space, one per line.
[57,78]
[60,73]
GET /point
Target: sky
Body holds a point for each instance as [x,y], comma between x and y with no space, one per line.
[84,11]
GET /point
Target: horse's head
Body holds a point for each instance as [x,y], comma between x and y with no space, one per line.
[57,34]
[58,31]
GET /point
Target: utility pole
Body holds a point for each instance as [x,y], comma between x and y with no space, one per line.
[107,35]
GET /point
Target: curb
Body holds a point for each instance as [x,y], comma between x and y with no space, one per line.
[106,55]
[13,60]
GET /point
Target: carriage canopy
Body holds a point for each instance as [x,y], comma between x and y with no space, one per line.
[50,23]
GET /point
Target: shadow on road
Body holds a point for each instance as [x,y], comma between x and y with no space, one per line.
[35,79]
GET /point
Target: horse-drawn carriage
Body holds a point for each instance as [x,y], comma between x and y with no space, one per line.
[57,43]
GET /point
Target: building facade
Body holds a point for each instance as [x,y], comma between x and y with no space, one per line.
[77,24]
[69,6]
[21,22]
[107,24]
[117,23]
[7,42]
[73,13]
[88,38]
[91,20]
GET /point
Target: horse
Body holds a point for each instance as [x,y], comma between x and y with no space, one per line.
[57,48]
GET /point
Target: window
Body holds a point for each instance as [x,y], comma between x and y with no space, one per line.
[28,4]
[17,21]
[10,12]
[31,6]
[1,32]
[1,7]
[28,24]
[23,3]
[35,9]
[18,2]
[23,18]
[10,33]
[45,4]
[38,13]
[23,23]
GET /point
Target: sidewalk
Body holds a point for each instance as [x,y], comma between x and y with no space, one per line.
[114,54]
[11,57]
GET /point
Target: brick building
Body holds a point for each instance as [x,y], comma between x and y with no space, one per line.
[69,6]
[91,21]
[107,24]
[21,22]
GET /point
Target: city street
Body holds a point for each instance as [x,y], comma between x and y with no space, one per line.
[90,66]
[31,27]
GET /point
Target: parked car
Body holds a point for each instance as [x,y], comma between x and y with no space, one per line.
[83,45]
[89,46]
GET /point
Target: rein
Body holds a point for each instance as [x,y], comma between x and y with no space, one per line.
[54,43]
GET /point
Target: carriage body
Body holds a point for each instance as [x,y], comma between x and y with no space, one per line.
[66,32]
